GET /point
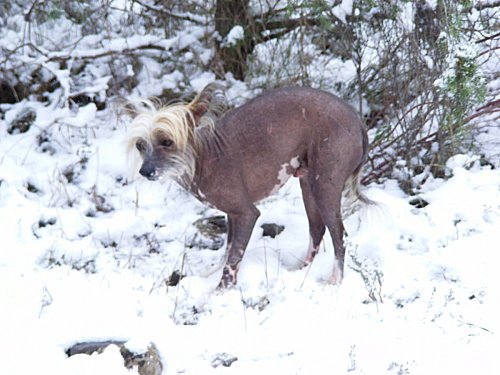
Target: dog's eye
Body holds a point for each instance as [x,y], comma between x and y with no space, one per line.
[140,145]
[166,143]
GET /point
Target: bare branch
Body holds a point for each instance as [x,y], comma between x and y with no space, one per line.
[166,13]
[490,37]
[485,5]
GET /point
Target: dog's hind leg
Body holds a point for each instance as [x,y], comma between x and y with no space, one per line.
[316,225]
[327,193]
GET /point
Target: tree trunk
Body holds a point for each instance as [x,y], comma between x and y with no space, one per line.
[233,57]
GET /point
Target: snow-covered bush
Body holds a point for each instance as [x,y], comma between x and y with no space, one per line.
[412,69]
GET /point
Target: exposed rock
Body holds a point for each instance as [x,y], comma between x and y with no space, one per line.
[32,188]
[418,202]
[271,230]
[174,278]
[7,93]
[259,304]
[223,359]
[485,162]
[82,99]
[101,205]
[210,233]
[146,363]
[22,123]
[92,347]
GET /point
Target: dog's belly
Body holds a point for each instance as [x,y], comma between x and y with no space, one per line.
[263,182]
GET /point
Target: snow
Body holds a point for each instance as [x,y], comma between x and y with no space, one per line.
[407,16]
[342,10]
[420,294]
[85,251]
[235,34]
[199,82]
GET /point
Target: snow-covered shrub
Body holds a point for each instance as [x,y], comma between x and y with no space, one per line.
[72,52]
[412,69]
[371,275]
[419,78]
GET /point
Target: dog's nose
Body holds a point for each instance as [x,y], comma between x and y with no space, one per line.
[148,171]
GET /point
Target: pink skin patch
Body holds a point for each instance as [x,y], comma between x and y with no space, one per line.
[228,276]
[300,172]
[311,252]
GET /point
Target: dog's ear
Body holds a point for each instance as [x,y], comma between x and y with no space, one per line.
[128,109]
[132,108]
[211,100]
[124,108]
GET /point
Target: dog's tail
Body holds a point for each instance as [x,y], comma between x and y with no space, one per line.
[352,187]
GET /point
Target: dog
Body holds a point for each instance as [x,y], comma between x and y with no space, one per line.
[233,160]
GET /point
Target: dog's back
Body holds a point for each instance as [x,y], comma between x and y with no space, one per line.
[279,133]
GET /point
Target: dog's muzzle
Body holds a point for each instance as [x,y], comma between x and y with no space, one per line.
[149,172]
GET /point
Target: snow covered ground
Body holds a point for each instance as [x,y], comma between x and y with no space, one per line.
[85,254]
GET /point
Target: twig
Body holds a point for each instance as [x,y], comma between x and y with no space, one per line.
[105,53]
[491,107]
[27,15]
[243,304]
[488,51]
[170,14]
[485,5]
[488,38]
[474,325]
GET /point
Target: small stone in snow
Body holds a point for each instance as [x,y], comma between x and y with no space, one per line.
[223,359]
[271,230]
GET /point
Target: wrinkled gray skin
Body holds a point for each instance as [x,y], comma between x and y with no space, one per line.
[301,132]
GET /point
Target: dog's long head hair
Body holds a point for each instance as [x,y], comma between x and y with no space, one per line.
[165,140]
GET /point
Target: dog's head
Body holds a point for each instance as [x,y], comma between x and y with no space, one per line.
[165,138]
[162,139]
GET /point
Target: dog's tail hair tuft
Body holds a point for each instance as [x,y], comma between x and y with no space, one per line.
[352,188]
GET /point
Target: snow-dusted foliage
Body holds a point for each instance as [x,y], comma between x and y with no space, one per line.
[89,253]
[67,51]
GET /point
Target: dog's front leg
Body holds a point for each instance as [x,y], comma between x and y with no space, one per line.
[241,226]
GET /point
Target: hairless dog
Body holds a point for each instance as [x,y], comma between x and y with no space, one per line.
[233,160]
